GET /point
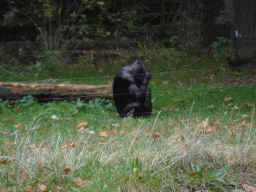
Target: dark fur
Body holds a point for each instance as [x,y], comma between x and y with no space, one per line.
[130,90]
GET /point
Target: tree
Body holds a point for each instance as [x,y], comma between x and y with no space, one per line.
[57,21]
[210,11]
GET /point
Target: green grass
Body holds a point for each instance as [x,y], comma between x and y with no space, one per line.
[200,136]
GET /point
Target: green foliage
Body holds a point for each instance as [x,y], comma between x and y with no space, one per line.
[222,47]
[174,41]
[27,101]
[210,11]
[56,22]
[160,45]
[143,154]
[127,19]
[191,46]
[97,105]
[202,176]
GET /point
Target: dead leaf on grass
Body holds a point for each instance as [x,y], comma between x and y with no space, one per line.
[228,99]
[42,187]
[229,160]
[6,159]
[210,107]
[248,104]
[175,109]
[184,150]
[10,118]
[83,183]
[29,188]
[155,137]
[69,146]
[205,123]
[58,187]
[210,129]
[249,188]
[244,116]
[75,112]
[102,134]
[65,172]
[81,124]
[235,107]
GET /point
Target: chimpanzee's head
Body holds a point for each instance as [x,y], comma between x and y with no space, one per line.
[140,73]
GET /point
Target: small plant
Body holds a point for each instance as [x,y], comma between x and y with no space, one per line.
[78,104]
[222,47]
[97,105]
[25,101]
[101,104]
[160,45]
[174,41]
[209,179]
[191,45]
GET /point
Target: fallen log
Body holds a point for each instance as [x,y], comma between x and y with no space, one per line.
[46,92]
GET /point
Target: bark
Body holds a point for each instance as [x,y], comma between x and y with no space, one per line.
[45,92]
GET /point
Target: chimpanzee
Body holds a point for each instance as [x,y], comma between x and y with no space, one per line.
[130,92]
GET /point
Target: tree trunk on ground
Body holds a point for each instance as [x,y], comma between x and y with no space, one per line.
[46,92]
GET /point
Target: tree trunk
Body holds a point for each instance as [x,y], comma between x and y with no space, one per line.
[46,92]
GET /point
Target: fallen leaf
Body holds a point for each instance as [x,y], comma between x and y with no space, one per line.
[248,188]
[164,83]
[210,129]
[4,161]
[80,129]
[75,112]
[235,107]
[180,171]
[155,137]
[69,146]
[243,123]
[205,123]
[230,161]
[10,118]
[83,183]
[29,188]
[228,99]
[58,187]
[102,134]
[42,187]
[65,172]
[81,124]
[248,104]
[184,149]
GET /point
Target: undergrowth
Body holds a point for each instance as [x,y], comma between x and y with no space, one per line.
[200,136]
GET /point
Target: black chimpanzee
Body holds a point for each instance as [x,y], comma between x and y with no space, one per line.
[130,92]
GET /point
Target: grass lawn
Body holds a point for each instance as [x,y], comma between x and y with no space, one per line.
[200,136]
